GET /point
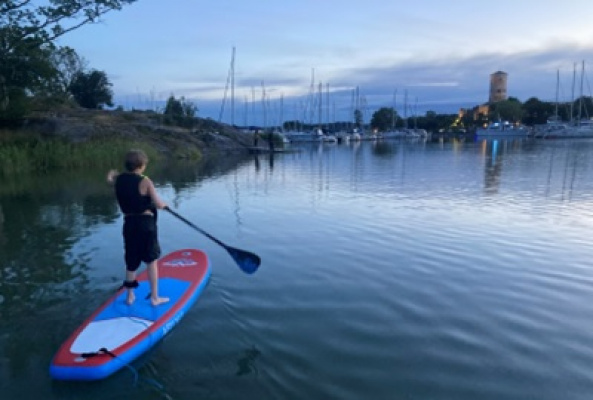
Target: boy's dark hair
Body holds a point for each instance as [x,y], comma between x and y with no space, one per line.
[135,159]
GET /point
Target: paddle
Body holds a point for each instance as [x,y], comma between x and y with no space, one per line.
[247,261]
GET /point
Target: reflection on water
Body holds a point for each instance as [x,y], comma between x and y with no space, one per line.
[449,270]
[246,364]
[42,219]
[493,167]
[554,167]
[256,159]
[49,214]
[2,234]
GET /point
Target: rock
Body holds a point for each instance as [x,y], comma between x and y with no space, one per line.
[79,125]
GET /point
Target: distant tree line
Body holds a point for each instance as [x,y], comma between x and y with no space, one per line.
[531,112]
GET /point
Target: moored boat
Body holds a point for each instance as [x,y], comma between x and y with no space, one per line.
[503,129]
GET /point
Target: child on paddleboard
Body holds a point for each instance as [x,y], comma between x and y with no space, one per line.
[138,200]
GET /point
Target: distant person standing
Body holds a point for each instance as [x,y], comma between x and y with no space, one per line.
[255,138]
[138,200]
[271,141]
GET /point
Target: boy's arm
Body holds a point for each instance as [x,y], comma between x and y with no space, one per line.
[156,200]
[112,176]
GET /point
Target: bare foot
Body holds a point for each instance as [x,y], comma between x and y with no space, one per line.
[158,300]
[131,298]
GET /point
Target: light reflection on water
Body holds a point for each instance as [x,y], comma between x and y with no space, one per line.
[455,270]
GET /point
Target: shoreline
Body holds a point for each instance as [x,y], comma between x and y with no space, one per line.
[78,137]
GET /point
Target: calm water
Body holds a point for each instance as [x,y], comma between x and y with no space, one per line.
[390,271]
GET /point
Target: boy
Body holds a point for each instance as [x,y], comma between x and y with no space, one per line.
[138,200]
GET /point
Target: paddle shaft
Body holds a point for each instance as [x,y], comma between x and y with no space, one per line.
[209,236]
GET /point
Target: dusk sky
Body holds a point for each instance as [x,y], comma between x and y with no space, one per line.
[440,52]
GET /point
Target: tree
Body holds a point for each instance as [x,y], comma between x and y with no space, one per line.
[507,110]
[583,107]
[429,122]
[384,119]
[63,64]
[68,65]
[27,34]
[21,20]
[536,112]
[92,89]
[22,74]
[180,112]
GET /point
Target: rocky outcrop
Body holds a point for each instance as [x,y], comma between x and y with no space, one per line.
[81,125]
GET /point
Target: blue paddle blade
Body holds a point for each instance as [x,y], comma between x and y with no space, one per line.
[248,262]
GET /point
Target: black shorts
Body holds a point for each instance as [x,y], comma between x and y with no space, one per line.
[141,243]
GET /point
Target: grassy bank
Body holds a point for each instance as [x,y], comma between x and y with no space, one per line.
[20,156]
[78,138]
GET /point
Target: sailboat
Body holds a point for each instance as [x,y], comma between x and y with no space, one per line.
[393,133]
[317,134]
[553,126]
[582,128]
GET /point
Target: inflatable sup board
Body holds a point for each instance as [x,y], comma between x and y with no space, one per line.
[117,333]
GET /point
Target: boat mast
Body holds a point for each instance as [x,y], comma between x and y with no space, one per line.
[246,112]
[334,116]
[230,80]
[263,102]
[353,108]
[312,97]
[281,119]
[393,110]
[233,88]
[358,108]
[557,90]
[327,105]
[320,105]
[581,94]
[574,79]
[406,109]
[416,113]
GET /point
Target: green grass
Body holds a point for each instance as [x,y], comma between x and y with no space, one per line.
[45,155]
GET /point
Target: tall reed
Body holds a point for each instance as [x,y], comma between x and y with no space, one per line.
[45,155]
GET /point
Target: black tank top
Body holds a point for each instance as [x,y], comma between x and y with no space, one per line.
[127,191]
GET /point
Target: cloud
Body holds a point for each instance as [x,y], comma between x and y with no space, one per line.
[435,84]
[465,81]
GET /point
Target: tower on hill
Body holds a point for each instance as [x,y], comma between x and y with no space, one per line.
[498,86]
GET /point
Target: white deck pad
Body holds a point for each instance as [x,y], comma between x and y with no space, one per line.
[110,334]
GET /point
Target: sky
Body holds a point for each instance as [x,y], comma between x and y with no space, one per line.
[416,56]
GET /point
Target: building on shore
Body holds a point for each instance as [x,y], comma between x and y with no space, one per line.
[498,92]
